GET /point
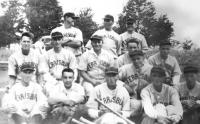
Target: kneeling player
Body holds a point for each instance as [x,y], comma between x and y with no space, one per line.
[25,101]
[64,98]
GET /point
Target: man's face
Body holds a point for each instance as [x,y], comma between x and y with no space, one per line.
[138,60]
[68,78]
[190,79]
[56,43]
[157,79]
[164,50]
[130,27]
[26,43]
[69,21]
[96,44]
[26,76]
[132,47]
[111,80]
[108,23]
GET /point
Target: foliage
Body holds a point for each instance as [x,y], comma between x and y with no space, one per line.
[43,16]
[86,24]
[155,29]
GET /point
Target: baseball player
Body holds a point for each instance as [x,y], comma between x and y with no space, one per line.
[130,33]
[64,98]
[72,37]
[132,44]
[111,40]
[25,101]
[26,55]
[59,58]
[93,64]
[114,96]
[167,62]
[189,91]
[136,76]
[160,101]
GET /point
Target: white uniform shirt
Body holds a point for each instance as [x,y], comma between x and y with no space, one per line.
[111,41]
[124,59]
[56,62]
[71,33]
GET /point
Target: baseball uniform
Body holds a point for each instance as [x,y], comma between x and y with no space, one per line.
[124,59]
[95,66]
[29,98]
[56,62]
[111,41]
[40,47]
[117,99]
[170,64]
[71,33]
[142,44]
[17,59]
[155,103]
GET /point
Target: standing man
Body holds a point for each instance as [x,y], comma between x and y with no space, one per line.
[190,95]
[111,40]
[59,58]
[130,33]
[72,37]
[132,45]
[167,62]
[93,64]
[160,101]
[26,55]
[64,98]
[114,96]
[26,100]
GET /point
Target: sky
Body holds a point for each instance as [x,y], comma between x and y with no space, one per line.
[183,13]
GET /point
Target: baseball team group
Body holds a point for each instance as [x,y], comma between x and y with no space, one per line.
[111,82]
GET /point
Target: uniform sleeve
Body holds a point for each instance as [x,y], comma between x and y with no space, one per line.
[126,102]
[122,74]
[151,60]
[120,61]
[12,66]
[147,104]
[73,62]
[79,36]
[42,99]
[83,62]
[144,44]
[175,100]
[79,97]
[119,46]
[177,69]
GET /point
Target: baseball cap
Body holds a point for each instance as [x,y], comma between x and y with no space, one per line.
[129,21]
[28,34]
[158,70]
[164,43]
[27,67]
[70,14]
[190,69]
[56,36]
[111,70]
[136,52]
[109,17]
[96,37]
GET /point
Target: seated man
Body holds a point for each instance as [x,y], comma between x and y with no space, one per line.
[160,101]
[190,94]
[93,63]
[114,96]
[25,100]
[64,98]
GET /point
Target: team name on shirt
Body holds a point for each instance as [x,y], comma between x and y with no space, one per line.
[114,99]
[110,37]
[58,62]
[69,35]
[131,78]
[101,64]
[22,96]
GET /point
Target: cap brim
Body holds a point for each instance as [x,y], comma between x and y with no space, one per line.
[75,17]
[28,69]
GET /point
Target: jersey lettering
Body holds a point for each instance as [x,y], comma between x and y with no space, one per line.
[22,96]
[69,35]
[58,62]
[114,99]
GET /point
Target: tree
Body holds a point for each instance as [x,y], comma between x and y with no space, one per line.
[11,22]
[43,16]
[86,24]
[146,21]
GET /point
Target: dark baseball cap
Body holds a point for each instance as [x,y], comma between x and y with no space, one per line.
[190,69]
[111,70]
[28,34]
[70,14]
[96,37]
[109,17]
[136,52]
[27,67]
[158,70]
[165,43]
[56,36]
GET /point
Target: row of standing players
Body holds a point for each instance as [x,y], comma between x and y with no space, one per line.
[122,90]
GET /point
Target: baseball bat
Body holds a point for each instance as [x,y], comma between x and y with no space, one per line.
[116,113]
[86,121]
[76,121]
